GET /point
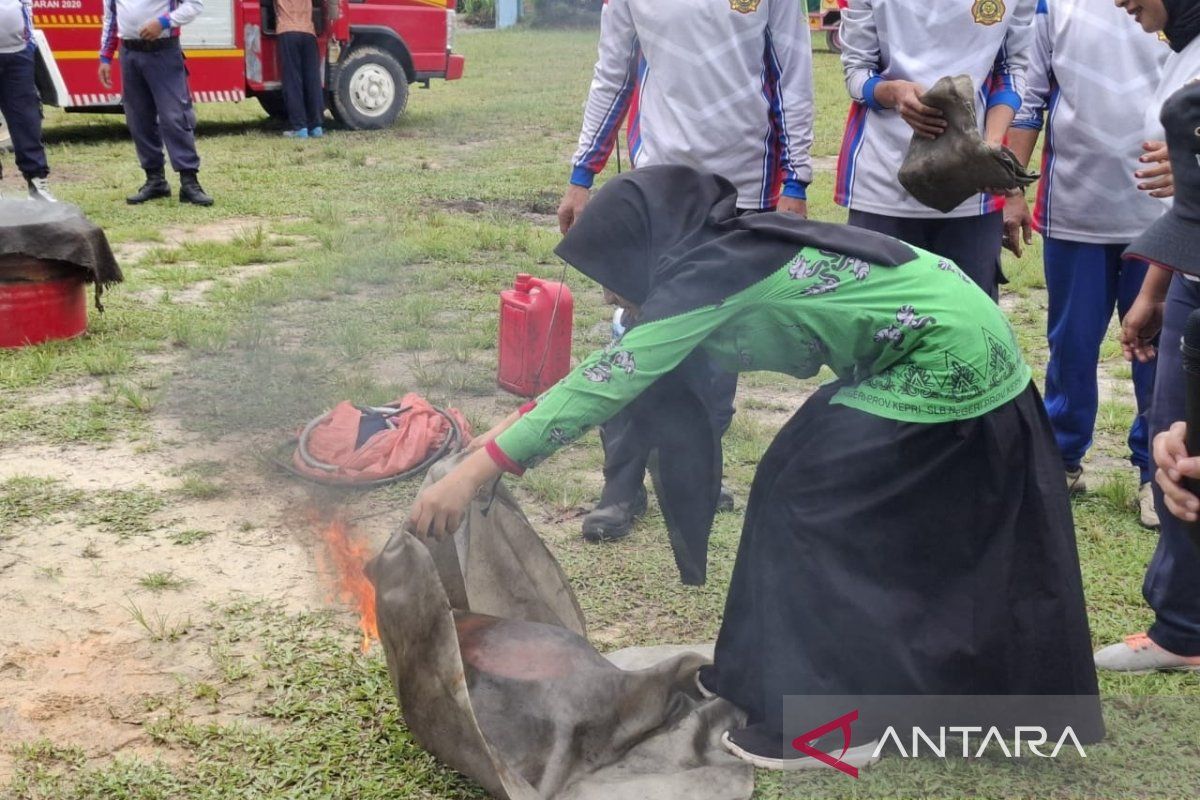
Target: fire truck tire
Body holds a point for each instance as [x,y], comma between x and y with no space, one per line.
[371,89]
[272,103]
[5,139]
[833,40]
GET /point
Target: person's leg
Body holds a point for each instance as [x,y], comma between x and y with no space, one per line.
[22,110]
[1174,571]
[173,100]
[1081,285]
[291,67]
[314,92]
[973,243]
[1131,274]
[1173,641]
[141,114]
[177,121]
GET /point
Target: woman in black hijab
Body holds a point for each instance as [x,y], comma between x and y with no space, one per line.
[908,531]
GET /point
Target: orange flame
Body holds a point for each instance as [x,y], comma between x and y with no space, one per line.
[346,555]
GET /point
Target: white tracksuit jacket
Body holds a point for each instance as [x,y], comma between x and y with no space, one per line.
[719,85]
[16,25]
[1091,77]
[922,41]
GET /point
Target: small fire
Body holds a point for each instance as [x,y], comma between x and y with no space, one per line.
[345,556]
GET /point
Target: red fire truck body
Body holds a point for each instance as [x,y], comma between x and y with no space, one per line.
[372,50]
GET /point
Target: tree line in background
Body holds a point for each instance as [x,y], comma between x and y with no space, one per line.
[545,13]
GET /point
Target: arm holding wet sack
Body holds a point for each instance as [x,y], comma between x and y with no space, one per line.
[594,392]
[862,62]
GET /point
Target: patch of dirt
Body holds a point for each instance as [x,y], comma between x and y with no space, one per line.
[195,293]
[223,230]
[76,665]
[540,210]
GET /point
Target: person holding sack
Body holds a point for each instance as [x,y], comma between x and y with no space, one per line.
[908,530]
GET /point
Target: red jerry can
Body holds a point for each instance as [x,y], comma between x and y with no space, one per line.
[536,317]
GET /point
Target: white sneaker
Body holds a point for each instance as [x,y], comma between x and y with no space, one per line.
[1147,514]
[1139,654]
[39,189]
[763,750]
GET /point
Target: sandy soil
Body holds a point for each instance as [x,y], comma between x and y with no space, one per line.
[75,666]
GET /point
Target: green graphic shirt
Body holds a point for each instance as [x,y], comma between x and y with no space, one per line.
[916,343]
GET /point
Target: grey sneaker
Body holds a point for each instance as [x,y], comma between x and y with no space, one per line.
[39,189]
[1139,654]
[1147,514]
[1076,483]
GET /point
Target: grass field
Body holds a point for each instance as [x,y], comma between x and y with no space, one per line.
[164,631]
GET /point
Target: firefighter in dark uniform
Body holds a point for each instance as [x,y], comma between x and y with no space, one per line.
[158,104]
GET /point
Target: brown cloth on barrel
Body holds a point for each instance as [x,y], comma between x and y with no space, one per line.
[56,232]
[486,650]
[943,173]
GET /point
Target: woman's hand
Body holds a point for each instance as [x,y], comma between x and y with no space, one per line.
[1018,223]
[439,508]
[1171,456]
[1158,180]
[1140,327]
[905,97]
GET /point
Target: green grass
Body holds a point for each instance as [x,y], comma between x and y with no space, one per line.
[126,512]
[26,499]
[162,581]
[189,536]
[362,267]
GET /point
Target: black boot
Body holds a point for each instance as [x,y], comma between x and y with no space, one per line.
[613,521]
[156,186]
[190,191]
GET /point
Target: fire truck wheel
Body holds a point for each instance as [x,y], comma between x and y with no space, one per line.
[833,40]
[371,90]
[5,139]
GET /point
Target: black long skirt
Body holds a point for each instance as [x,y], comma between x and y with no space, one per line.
[890,558]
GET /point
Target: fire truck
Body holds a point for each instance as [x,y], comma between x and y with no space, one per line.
[372,51]
[826,15]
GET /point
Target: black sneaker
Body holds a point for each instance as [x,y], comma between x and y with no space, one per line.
[762,748]
[614,521]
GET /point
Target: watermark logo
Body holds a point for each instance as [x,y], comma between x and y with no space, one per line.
[804,741]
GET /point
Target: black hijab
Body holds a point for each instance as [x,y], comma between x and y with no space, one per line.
[1183,22]
[670,239]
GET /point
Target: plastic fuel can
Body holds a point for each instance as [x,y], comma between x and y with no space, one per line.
[536,317]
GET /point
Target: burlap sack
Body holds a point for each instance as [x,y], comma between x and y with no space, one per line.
[485,647]
[945,172]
